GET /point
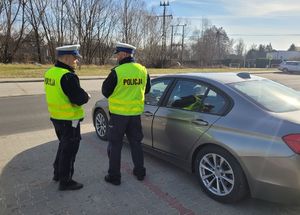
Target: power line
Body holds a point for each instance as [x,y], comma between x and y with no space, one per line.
[265,35]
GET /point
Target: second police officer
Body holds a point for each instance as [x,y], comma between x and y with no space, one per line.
[65,98]
[125,87]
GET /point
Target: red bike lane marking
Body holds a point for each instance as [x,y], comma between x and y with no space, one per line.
[170,200]
[173,202]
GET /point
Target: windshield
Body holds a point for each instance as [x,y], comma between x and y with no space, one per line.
[270,95]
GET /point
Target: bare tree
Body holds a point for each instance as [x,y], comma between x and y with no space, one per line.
[128,14]
[151,40]
[39,25]
[133,20]
[239,48]
[1,24]
[14,26]
[106,32]
[212,47]
[85,16]
[34,11]
[54,23]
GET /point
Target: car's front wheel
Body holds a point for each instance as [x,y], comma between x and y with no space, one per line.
[220,175]
[101,124]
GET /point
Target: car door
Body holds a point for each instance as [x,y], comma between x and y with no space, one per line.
[152,102]
[292,66]
[297,69]
[179,123]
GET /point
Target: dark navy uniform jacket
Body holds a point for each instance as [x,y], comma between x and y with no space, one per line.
[71,87]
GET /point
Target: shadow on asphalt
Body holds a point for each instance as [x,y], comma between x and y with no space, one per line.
[26,187]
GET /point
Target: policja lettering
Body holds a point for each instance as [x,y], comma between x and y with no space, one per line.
[132,81]
[49,81]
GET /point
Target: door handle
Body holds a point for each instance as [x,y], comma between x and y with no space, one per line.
[200,122]
[148,113]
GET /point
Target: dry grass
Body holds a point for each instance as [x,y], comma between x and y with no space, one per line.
[37,71]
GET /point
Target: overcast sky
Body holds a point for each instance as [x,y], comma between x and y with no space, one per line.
[255,21]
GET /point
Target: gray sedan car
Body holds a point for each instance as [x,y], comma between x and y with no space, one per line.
[239,133]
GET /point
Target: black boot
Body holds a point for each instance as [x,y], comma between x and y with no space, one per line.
[113,179]
[140,174]
[70,185]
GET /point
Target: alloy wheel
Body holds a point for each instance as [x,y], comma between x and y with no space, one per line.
[101,124]
[216,174]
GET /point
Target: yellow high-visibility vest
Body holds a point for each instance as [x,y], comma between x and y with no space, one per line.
[129,94]
[59,105]
[196,106]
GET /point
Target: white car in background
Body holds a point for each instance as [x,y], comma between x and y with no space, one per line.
[290,66]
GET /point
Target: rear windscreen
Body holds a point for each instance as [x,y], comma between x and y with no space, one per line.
[270,95]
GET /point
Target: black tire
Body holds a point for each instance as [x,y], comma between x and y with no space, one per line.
[101,124]
[224,183]
[285,70]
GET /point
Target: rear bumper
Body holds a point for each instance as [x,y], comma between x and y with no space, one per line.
[274,179]
[275,193]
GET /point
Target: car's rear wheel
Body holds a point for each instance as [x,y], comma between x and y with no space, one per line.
[220,175]
[101,124]
[285,70]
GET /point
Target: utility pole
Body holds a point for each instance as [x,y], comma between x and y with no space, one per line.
[171,46]
[182,44]
[182,40]
[164,41]
[219,34]
[125,22]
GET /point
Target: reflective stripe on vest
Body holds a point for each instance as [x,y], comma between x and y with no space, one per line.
[59,105]
[128,96]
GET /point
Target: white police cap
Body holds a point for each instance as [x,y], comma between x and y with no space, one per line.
[124,47]
[69,50]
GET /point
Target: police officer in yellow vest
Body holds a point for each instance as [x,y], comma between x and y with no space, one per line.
[125,87]
[65,98]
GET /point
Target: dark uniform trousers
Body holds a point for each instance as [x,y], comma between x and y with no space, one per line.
[131,126]
[69,139]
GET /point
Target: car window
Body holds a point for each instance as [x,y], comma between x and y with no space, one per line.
[158,88]
[195,96]
[292,63]
[270,95]
[214,102]
[187,95]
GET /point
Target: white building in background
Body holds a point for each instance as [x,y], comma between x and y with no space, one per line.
[284,55]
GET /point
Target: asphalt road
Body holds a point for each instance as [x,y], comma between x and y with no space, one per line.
[29,113]
[290,80]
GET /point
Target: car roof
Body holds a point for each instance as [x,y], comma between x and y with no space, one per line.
[221,77]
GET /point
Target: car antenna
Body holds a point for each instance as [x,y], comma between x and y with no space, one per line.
[244,75]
